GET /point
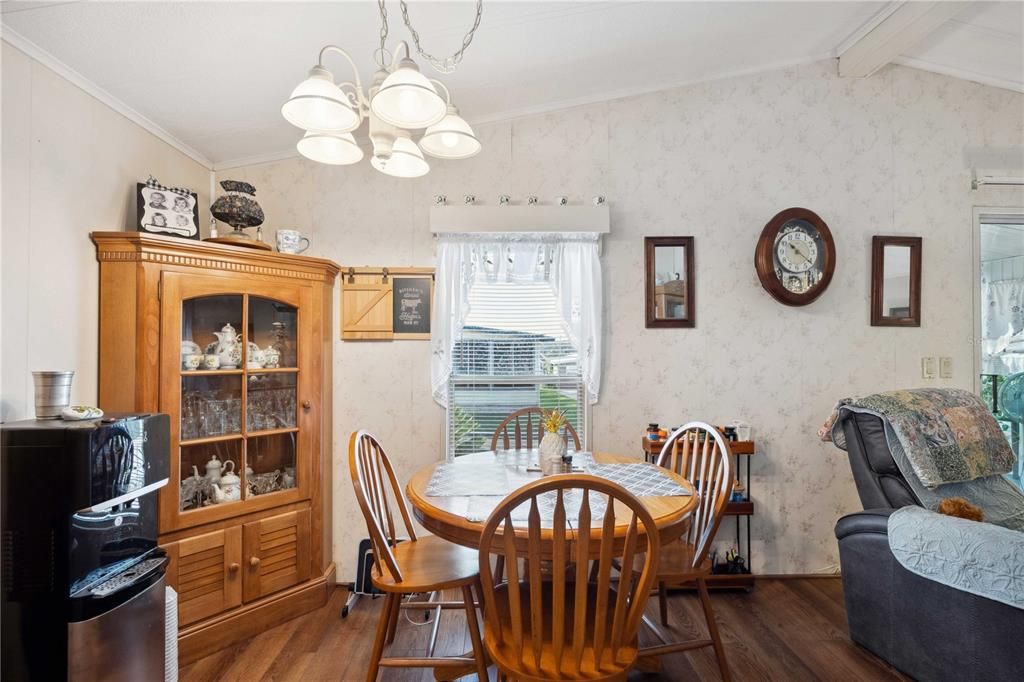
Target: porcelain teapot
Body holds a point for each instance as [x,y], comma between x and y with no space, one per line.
[227,493]
[229,479]
[228,347]
[230,487]
[213,469]
[227,338]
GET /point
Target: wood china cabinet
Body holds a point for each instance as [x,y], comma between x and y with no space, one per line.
[241,560]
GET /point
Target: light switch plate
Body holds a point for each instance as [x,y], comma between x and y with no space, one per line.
[946,367]
[928,368]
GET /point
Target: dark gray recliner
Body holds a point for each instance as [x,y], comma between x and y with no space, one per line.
[925,629]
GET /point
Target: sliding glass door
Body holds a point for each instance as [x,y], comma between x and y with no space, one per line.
[1000,321]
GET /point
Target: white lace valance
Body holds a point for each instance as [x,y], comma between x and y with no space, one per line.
[568,262]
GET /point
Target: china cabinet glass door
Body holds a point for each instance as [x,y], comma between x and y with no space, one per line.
[237,399]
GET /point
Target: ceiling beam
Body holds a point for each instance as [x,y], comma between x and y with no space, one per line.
[896,29]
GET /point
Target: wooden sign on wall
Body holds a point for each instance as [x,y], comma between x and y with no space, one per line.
[382,304]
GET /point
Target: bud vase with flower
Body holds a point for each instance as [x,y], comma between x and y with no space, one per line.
[552,445]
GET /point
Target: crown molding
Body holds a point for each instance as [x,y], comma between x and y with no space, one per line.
[20,42]
[962,74]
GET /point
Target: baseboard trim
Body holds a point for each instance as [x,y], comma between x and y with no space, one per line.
[202,639]
[795,576]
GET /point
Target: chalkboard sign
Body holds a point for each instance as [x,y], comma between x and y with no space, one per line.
[411,306]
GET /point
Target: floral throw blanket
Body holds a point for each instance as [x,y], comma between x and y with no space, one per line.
[948,435]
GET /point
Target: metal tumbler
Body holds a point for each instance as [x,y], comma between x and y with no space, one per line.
[53,393]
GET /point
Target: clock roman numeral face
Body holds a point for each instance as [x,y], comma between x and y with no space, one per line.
[797,256]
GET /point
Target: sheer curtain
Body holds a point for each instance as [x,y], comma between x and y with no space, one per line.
[568,262]
[1002,324]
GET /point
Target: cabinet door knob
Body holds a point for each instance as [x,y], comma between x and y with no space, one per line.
[306,405]
[233,567]
[254,561]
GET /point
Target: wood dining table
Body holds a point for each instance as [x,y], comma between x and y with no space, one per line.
[460,518]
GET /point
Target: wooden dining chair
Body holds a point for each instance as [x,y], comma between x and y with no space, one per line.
[527,427]
[551,622]
[701,454]
[412,566]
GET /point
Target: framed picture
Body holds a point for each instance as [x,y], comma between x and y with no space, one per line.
[669,278]
[411,297]
[169,211]
[895,281]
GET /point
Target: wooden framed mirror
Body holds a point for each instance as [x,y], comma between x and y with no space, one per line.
[669,276]
[895,281]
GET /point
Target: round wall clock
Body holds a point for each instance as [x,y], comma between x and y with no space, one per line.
[795,256]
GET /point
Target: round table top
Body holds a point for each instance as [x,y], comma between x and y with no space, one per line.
[447,516]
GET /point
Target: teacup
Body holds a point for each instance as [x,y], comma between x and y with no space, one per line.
[191,361]
[211,361]
[290,241]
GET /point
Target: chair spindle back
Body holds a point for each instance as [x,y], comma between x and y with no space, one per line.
[372,478]
[527,426]
[700,453]
[595,637]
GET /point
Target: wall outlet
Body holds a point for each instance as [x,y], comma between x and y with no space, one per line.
[928,368]
[946,367]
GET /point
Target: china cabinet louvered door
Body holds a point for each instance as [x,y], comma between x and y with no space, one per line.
[235,345]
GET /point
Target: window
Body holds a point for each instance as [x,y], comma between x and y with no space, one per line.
[513,352]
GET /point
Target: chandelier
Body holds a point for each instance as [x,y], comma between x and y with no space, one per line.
[401,102]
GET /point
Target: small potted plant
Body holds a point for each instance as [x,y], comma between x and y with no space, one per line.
[552,445]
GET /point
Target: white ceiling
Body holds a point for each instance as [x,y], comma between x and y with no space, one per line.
[211,76]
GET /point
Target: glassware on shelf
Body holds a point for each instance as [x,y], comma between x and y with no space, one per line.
[210,406]
[271,463]
[271,402]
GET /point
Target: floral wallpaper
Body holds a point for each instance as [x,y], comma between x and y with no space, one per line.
[883,155]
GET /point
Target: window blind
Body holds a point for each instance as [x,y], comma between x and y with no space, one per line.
[514,352]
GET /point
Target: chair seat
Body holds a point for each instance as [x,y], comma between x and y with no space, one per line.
[509,657]
[430,563]
[675,563]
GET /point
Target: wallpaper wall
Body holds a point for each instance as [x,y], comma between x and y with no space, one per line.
[716,161]
[70,164]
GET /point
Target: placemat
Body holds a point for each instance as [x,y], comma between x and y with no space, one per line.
[480,507]
[508,471]
[453,480]
[640,479]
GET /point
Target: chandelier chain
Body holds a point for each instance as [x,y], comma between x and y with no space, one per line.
[379,56]
[448,64]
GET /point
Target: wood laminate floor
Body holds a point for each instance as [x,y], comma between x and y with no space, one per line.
[793,629]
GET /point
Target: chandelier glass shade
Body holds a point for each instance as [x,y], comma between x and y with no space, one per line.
[407,99]
[406,160]
[336,149]
[318,104]
[401,101]
[450,138]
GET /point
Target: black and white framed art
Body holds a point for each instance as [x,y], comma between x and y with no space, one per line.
[169,211]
